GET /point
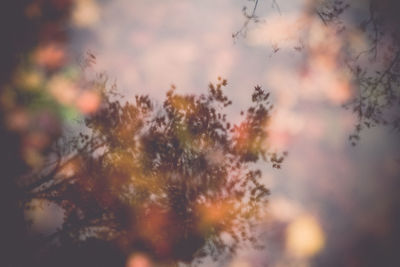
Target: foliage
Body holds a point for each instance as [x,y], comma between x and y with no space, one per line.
[375,70]
[178,181]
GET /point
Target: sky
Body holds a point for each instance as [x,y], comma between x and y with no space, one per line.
[329,197]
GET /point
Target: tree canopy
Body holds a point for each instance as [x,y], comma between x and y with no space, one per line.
[178,181]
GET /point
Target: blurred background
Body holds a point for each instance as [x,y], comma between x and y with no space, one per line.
[333,202]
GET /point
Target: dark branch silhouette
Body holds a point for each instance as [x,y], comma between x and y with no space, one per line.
[375,70]
[169,180]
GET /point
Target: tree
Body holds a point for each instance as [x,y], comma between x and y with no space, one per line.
[98,156]
[375,73]
[375,70]
[178,181]
[22,32]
